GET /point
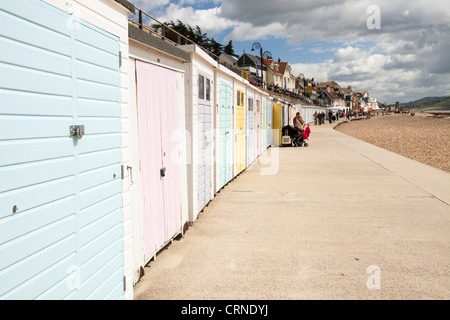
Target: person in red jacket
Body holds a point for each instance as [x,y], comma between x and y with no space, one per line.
[307,132]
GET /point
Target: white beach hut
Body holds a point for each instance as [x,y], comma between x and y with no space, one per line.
[157,153]
[200,110]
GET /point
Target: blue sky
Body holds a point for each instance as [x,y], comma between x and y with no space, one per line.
[397,50]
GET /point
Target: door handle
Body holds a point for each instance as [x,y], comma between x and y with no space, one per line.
[131,173]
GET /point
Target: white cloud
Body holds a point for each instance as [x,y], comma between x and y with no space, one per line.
[323,50]
[360,69]
[209,20]
[246,31]
[410,57]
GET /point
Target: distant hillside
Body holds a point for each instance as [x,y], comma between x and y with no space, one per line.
[427,104]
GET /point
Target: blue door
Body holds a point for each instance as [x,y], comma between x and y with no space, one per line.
[225,134]
[60,190]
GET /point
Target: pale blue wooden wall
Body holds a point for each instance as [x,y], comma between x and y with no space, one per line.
[65,240]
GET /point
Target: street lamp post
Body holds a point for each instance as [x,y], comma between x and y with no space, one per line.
[257,46]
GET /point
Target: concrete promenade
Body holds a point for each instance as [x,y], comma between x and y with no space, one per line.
[313,229]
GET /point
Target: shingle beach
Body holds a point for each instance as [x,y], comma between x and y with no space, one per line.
[422,138]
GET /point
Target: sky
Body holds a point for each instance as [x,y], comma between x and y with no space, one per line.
[396,50]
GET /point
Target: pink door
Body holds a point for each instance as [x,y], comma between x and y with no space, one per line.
[158,152]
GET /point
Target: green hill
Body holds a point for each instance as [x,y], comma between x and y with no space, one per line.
[427,104]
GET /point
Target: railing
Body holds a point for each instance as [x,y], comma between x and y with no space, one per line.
[165,33]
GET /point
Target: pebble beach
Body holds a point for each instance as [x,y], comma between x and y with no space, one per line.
[422,138]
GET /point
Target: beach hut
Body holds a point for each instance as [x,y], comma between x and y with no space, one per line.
[64,84]
[250,128]
[308,113]
[200,112]
[269,120]
[286,113]
[258,106]
[240,126]
[224,86]
[263,130]
[157,153]
[277,123]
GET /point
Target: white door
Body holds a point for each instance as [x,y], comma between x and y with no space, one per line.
[204,146]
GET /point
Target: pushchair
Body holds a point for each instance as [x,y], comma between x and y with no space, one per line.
[294,137]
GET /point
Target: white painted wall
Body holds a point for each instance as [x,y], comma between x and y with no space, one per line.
[113,18]
[203,64]
[258,101]
[134,181]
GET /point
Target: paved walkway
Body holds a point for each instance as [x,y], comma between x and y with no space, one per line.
[312,230]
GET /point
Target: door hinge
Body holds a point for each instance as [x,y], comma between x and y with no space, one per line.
[122,172]
[124,283]
[120,59]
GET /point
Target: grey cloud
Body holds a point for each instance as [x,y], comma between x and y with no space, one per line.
[413,38]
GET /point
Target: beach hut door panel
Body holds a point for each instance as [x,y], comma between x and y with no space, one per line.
[251,129]
[204,142]
[225,134]
[159,154]
[61,229]
[269,122]
[240,131]
[257,127]
[263,126]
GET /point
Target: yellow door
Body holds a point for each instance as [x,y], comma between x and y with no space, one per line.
[277,123]
[240,127]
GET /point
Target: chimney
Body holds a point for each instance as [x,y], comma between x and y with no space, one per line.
[328,88]
[279,60]
[350,87]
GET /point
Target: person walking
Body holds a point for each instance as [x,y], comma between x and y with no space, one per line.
[330,116]
[315,118]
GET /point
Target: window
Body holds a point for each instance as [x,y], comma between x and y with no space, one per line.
[208,90]
[201,87]
[238,98]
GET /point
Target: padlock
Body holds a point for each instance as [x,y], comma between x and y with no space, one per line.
[77,131]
